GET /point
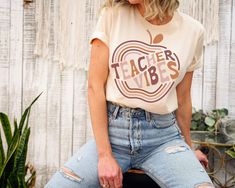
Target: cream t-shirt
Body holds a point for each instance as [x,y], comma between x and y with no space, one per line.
[146,61]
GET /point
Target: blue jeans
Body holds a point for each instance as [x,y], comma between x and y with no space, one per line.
[142,140]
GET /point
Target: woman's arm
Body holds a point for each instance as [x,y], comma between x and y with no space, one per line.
[98,73]
[184,113]
[109,172]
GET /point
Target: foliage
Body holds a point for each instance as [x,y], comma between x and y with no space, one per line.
[13,170]
[231,152]
[202,121]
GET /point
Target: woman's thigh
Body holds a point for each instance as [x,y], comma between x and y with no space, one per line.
[81,169]
[174,165]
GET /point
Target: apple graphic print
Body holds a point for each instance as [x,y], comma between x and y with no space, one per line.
[144,71]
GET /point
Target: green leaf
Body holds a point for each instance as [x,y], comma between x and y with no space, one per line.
[209,121]
[26,114]
[22,120]
[194,125]
[230,153]
[6,127]
[10,152]
[13,180]
[202,127]
[223,112]
[211,129]
[197,116]
[21,153]
[2,153]
[15,125]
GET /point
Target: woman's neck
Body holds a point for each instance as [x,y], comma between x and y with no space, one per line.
[156,21]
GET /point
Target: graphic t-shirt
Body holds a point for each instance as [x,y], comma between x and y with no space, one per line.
[146,61]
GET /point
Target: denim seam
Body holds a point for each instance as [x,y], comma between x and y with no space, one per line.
[115,113]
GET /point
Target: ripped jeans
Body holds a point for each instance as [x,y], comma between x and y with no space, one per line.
[142,140]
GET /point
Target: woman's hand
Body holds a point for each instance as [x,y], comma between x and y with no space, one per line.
[109,172]
[201,157]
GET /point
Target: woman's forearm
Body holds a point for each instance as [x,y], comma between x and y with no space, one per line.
[98,111]
[184,116]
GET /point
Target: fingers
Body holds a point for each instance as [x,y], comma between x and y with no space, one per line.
[204,160]
[104,183]
[111,183]
[118,180]
[114,181]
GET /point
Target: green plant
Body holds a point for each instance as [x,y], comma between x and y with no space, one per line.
[231,152]
[207,121]
[13,170]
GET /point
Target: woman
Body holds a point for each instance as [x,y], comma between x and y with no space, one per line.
[143,56]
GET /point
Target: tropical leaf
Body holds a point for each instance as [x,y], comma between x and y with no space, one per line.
[26,113]
[6,127]
[10,152]
[23,118]
[2,153]
[22,153]
[13,180]
[15,126]
[12,161]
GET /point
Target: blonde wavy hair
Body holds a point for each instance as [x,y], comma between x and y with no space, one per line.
[153,8]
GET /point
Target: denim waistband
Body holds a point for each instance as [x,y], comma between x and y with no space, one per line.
[115,110]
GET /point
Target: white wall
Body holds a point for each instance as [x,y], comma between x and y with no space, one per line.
[59,120]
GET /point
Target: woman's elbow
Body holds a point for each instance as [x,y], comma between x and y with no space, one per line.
[94,89]
[184,101]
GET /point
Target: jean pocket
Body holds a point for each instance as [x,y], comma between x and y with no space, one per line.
[162,121]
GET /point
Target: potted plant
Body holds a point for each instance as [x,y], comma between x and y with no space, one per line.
[208,121]
[14,172]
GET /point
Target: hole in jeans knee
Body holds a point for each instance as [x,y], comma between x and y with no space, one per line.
[175,149]
[69,174]
[204,185]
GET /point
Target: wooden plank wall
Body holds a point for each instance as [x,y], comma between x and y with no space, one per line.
[60,119]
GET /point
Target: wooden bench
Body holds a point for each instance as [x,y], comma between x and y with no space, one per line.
[138,179]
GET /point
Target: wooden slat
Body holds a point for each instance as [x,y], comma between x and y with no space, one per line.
[16,59]
[80,105]
[53,119]
[4,53]
[53,108]
[222,92]
[209,77]
[35,81]
[196,89]
[66,115]
[39,120]
[232,67]
[28,69]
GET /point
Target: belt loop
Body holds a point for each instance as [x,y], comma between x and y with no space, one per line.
[147,115]
[115,113]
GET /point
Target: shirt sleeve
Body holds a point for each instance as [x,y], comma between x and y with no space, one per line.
[103,26]
[197,61]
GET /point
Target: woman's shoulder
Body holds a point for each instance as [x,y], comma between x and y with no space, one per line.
[191,22]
